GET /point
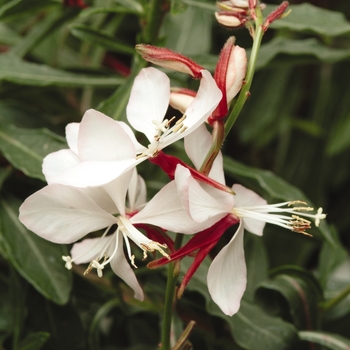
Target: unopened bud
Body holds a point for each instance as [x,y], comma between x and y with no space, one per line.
[181,98]
[277,14]
[229,75]
[169,59]
[230,19]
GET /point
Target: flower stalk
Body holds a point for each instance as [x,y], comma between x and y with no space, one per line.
[169,301]
[244,94]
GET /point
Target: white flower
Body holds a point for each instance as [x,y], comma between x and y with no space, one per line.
[101,149]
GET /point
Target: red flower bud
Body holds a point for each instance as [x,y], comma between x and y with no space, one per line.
[169,59]
[277,14]
[181,98]
[229,75]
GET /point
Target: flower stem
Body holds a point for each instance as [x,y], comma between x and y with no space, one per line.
[153,21]
[218,139]
[169,297]
[244,94]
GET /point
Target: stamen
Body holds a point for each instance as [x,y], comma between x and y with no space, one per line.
[152,246]
[319,216]
[68,265]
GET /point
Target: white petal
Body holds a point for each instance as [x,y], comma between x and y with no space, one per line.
[197,146]
[247,198]
[136,192]
[206,100]
[180,101]
[90,249]
[149,100]
[204,206]
[121,268]
[103,139]
[138,147]
[72,132]
[165,210]
[62,214]
[93,173]
[117,189]
[227,275]
[57,162]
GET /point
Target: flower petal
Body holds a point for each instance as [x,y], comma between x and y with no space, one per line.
[227,275]
[103,139]
[63,214]
[72,132]
[90,249]
[117,189]
[93,173]
[206,100]
[197,146]
[149,100]
[247,198]
[165,210]
[121,268]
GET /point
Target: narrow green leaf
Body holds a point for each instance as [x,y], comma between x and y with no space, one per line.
[301,292]
[100,38]
[331,257]
[14,70]
[311,19]
[308,50]
[25,149]
[131,5]
[17,8]
[4,173]
[34,341]
[7,35]
[331,341]
[114,10]
[37,260]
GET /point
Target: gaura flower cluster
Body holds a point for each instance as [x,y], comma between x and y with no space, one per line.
[94,189]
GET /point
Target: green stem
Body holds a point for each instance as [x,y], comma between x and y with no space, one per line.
[153,21]
[218,139]
[331,303]
[244,94]
[169,298]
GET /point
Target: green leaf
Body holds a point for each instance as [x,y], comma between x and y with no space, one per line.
[331,257]
[301,292]
[311,19]
[4,173]
[37,260]
[131,5]
[15,70]
[117,9]
[302,51]
[100,38]
[250,327]
[25,149]
[16,8]
[331,341]
[34,341]
[271,185]
[183,30]
[7,35]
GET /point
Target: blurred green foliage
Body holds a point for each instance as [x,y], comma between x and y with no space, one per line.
[292,141]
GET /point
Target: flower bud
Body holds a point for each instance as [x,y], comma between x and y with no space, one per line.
[169,59]
[230,19]
[277,14]
[181,98]
[229,75]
